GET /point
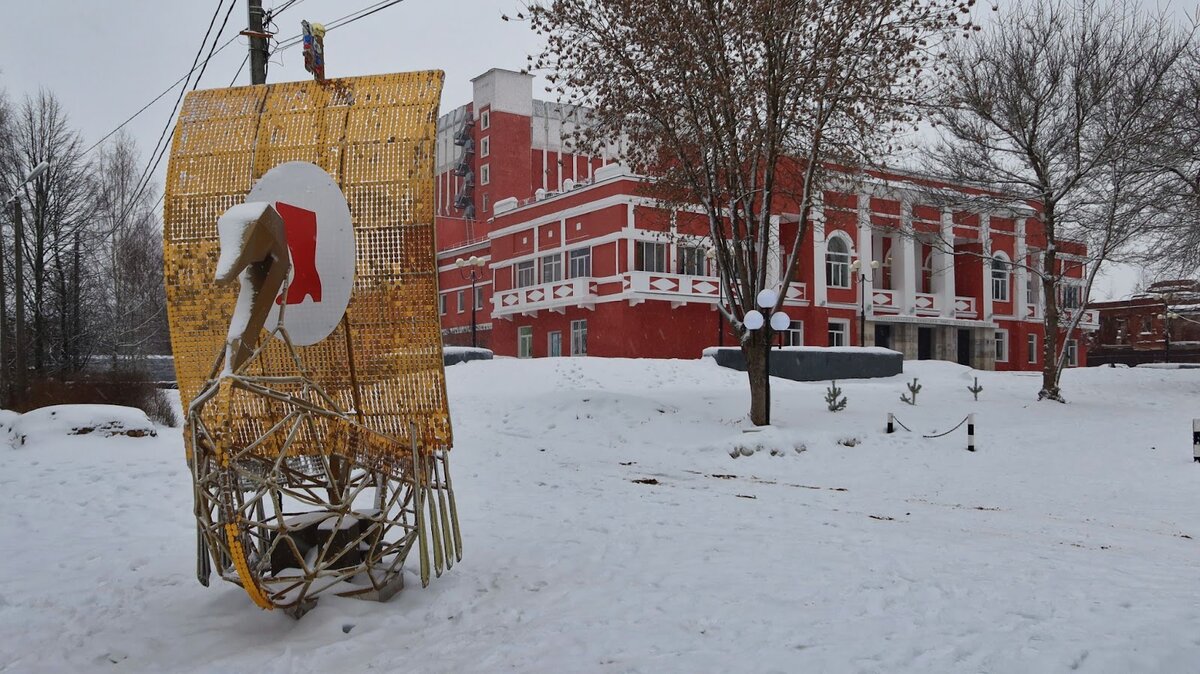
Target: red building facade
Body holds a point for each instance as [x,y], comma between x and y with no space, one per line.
[1159,325]
[578,261]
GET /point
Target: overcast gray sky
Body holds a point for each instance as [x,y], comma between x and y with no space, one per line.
[105,59]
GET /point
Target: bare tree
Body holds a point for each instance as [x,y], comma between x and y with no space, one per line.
[1174,161]
[1051,105]
[738,106]
[56,224]
[128,250]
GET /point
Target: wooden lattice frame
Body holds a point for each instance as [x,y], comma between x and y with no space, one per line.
[376,137]
[368,403]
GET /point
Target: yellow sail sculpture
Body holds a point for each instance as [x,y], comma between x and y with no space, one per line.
[319,443]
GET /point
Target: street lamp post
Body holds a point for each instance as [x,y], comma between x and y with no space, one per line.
[19,281]
[471,269]
[856,267]
[1166,317]
[778,322]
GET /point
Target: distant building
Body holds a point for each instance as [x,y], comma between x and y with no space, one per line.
[579,261]
[1159,325]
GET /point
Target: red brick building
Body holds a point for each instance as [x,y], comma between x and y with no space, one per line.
[1159,325]
[579,262]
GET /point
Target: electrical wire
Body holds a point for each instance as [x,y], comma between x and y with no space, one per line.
[179,98]
[186,76]
[160,147]
[245,60]
[342,21]
[212,49]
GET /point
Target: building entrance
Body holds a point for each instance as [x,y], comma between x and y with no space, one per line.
[883,335]
[964,347]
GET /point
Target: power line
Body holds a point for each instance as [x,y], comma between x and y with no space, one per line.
[212,49]
[186,76]
[152,163]
[342,21]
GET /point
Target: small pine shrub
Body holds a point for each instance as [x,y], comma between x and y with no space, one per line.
[831,398]
[914,388]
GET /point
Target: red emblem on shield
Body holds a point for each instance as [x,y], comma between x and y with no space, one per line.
[301,226]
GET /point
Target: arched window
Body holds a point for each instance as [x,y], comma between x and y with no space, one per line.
[927,273]
[1001,276]
[837,263]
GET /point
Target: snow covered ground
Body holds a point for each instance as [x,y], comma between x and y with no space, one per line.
[607,529]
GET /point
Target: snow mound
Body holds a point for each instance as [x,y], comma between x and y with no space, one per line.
[50,423]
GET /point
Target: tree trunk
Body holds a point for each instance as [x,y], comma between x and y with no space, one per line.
[1050,390]
[755,350]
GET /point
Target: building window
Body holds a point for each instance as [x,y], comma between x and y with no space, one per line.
[839,332]
[927,274]
[485,174]
[837,263]
[649,256]
[525,341]
[1001,274]
[485,119]
[581,262]
[579,338]
[485,203]
[462,301]
[1072,353]
[526,275]
[485,147]
[1146,327]
[552,268]
[554,344]
[478,298]
[1031,288]
[794,335]
[1071,296]
[1032,345]
[1002,346]
[690,260]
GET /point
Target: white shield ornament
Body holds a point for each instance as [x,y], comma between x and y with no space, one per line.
[320,240]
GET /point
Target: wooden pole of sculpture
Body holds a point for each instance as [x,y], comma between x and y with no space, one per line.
[253,250]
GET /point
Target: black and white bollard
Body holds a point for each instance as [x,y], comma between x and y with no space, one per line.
[891,427]
[971,433]
[1196,440]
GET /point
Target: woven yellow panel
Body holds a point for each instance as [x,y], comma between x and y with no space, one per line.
[375,136]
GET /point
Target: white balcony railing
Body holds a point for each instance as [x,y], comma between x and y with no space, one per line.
[885,301]
[687,288]
[571,292]
[679,286]
[926,304]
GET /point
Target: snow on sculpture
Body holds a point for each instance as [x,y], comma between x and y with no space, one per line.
[317,428]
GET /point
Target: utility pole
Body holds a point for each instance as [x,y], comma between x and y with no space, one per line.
[19,282]
[258,43]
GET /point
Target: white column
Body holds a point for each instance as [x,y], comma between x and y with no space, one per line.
[905,261]
[943,269]
[865,251]
[985,238]
[774,275]
[1021,274]
[818,289]
[629,241]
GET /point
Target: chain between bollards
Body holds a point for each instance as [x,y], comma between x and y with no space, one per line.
[969,420]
